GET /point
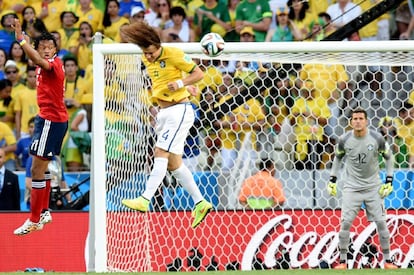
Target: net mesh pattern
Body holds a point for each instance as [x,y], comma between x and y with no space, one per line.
[244,116]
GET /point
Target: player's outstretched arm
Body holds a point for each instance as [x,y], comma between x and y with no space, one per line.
[24,42]
[195,76]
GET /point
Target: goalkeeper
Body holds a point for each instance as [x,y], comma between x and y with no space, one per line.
[362,184]
[166,67]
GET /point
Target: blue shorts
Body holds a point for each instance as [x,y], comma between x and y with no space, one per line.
[47,138]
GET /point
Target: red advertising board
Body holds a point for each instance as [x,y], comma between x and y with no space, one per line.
[309,236]
[59,246]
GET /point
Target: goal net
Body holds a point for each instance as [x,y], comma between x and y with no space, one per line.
[247,100]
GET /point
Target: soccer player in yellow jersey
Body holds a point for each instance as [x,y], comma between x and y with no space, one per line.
[165,67]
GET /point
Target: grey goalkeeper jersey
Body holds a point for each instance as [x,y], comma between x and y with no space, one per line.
[360,155]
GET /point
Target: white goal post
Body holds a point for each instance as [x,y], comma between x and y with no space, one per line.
[110,247]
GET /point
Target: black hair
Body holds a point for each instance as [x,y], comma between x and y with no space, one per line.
[6,55]
[39,26]
[405,107]
[266,164]
[177,11]
[62,14]
[325,15]
[37,23]
[4,17]
[392,132]
[24,58]
[25,23]
[5,83]
[31,120]
[45,36]
[361,111]
[302,12]
[106,19]
[30,68]
[70,57]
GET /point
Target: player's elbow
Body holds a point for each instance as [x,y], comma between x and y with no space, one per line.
[197,74]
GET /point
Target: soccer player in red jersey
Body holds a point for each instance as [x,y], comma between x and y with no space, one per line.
[50,125]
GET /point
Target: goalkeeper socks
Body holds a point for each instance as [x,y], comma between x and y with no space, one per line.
[159,170]
[344,240]
[184,177]
[384,238]
[36,199]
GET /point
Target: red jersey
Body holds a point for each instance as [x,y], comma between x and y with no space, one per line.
[51,91]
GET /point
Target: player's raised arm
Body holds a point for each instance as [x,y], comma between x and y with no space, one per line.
[24,42]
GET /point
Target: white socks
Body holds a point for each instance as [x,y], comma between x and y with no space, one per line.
[159,170]
[184,177]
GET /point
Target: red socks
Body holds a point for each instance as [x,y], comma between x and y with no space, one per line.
[39,198]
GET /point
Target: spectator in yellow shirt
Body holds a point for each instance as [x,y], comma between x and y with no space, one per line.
[69,34]
[405,129]
[112,22]
[87,12]
[244,121]
[309,116]
[8,143]
[49,11]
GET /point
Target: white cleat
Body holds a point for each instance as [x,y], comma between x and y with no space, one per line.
[28,227]
[45,217]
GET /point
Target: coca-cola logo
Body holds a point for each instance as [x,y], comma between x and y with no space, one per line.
[323,248]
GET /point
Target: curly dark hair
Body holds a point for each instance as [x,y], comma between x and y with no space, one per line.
[44,36]
[141,34]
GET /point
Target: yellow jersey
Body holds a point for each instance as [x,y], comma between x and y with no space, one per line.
[112,31]
[306,128]
[324,77]
[407,133]
[7,138]
[169,67]
[251,112]
[26,103]
[93,17]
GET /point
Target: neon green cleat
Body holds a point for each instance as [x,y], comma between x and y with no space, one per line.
[200,212]
[140,204]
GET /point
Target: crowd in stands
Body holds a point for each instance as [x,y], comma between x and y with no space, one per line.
[312,100]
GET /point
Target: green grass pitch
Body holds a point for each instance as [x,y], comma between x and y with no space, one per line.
[408,271]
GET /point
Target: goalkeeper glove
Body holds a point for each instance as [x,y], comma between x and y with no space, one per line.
[332,186]
[386,188]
